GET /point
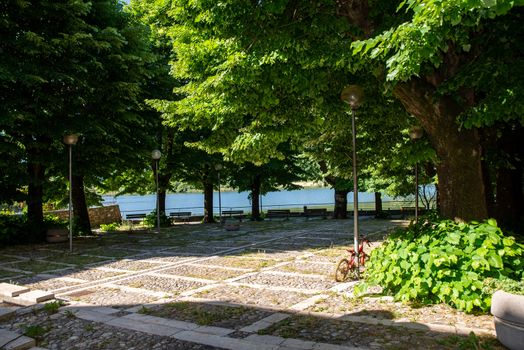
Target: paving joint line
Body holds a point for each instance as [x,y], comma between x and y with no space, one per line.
[170,265]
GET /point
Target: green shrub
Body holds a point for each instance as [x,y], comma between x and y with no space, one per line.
[110,227]
[13,229]
[150,220]
[445,261]
[53,221]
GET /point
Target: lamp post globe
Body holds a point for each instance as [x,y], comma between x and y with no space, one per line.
[71,139]
[156,155]
[353,95]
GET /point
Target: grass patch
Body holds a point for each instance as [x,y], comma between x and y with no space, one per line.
[201,314]
[35,266]
[76,259]
[111,253]
[36,332]
[6,274]
[471,342]
[53,306]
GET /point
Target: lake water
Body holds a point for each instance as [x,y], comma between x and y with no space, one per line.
[194,202]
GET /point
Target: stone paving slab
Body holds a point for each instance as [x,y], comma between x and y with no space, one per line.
[94,316]
[10,340]
[222,342]
[12,290]
[272,287]
[6,312]
[187,326]
[155,329]
[266,322]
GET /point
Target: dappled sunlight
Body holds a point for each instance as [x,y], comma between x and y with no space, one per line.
[205,276]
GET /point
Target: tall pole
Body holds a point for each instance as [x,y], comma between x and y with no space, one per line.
[416,133]
[355,189]
[70,198]
[157,199]
[352,95]
[219,199]
[416,192]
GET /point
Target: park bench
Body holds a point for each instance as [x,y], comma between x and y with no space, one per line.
[278,213]
[311,212]
[180,215]
[237,214]
[405,211]
[135,217]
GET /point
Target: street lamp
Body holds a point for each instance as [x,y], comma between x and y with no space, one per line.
[353,96]
[218,167]
[155,155]
[70,141]
[416,133]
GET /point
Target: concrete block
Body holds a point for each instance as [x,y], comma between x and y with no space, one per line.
[299,344]
[222,342]
[150,328]
[325,346]
[93,316]
[22,343]
[265,339]
[36,296]
[187,326]
[12,290]
[6,312]
[255,327]
[214,330]
[10,340]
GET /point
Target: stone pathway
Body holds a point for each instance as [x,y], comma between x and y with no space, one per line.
[267,286]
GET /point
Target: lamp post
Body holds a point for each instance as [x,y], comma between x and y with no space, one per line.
[218,167]
[155,155]
[353,95]
[416,133]
[70,141]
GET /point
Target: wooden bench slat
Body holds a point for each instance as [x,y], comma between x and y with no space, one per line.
[278,213]
[135,216]
[237,214]
[315,212]
[180,213]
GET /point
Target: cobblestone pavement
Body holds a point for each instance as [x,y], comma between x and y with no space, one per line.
[267,286]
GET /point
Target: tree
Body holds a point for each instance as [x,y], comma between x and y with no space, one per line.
[78,66]
[441,61]
[264,73]
[271,176]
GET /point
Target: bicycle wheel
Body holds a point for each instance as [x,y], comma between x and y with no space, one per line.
[342,270]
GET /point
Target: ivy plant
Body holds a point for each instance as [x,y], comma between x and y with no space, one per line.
[445,261]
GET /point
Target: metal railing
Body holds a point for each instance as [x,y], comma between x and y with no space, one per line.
[294,207]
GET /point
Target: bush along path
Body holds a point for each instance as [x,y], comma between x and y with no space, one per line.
[441,261]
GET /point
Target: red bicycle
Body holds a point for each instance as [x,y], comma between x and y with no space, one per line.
[348,266]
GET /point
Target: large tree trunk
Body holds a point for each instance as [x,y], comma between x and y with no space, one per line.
[163,180]
[509,206]
[162,201]
[255,198]
[378,204]
[35,213]
[208,202]
[341,204]
[461,184]
[81,213]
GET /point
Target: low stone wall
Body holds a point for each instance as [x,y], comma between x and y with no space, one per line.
[97,215]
